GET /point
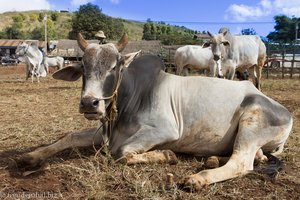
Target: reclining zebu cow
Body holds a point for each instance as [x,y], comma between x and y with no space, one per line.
[160,113]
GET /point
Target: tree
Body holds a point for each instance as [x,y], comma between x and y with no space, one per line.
[284,29]
[89,19]
[33,17]
[38,33]
[167,34]
[18,18]
[54,16]
[41,17]
[13,32]
[153,31]
[248,31]
[2,35]
[147,31]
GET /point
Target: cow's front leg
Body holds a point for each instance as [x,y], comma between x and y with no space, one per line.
[135,149]
[156,156]
[27,71]
[32,76]
[253,75]
[185,71]
[83,138]
[231,72]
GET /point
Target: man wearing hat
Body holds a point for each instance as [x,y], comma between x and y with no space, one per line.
[100,36]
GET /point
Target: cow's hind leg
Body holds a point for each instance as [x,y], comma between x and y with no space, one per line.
[259,67]
[83,138]
[217,161]
[254,132]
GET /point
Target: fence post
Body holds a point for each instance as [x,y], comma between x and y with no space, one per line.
[170,65]
[282,64]
[293,60]
[268,51]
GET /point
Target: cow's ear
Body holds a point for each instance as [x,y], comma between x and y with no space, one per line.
[226,43]
[206,44]
[128,58]
[69,73]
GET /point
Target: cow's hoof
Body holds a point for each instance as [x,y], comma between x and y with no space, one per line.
[194,182]
[171,157]
[212,162]
[28,162]
[127,159]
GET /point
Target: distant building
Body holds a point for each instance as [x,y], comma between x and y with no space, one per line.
[69,49]
[8,47]
[203,36]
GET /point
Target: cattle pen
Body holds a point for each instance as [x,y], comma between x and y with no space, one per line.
[283,60]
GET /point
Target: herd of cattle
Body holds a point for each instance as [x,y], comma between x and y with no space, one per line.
[147,115]
[223,55]
[37,65]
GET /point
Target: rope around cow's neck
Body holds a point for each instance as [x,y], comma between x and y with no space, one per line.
[111,109]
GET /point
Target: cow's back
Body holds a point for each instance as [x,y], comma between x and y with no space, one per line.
[247,49]
[194,56]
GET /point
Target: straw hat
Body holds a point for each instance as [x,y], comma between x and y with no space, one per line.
[100,34]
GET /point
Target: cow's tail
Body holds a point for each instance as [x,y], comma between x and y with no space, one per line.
[270,168]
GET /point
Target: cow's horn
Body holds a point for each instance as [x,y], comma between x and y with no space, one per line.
[209,34]
[81,42]
[122,42]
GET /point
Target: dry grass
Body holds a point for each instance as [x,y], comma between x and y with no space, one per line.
[37,114]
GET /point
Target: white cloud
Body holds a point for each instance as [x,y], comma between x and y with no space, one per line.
[242,12]
[288,7]
[80,2]
[115,1]
[23,5]
[267,4]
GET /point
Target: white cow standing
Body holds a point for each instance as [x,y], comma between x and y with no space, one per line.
[56,61]
[197,58]
[238,53]
[33,59]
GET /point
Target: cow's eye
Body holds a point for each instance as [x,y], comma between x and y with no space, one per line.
[225,43]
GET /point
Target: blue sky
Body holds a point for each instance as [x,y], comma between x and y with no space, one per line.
[195,14]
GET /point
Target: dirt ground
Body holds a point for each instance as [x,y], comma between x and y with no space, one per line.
[35,114]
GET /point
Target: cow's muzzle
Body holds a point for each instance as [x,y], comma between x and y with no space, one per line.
[216,57]
[90,107]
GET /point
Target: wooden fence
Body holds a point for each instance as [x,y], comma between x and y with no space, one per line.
[283,61]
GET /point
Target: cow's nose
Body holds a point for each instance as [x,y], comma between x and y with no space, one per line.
[89,103]
[216,57]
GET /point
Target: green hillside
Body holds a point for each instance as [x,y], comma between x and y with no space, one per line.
[31,24]
[29,21]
